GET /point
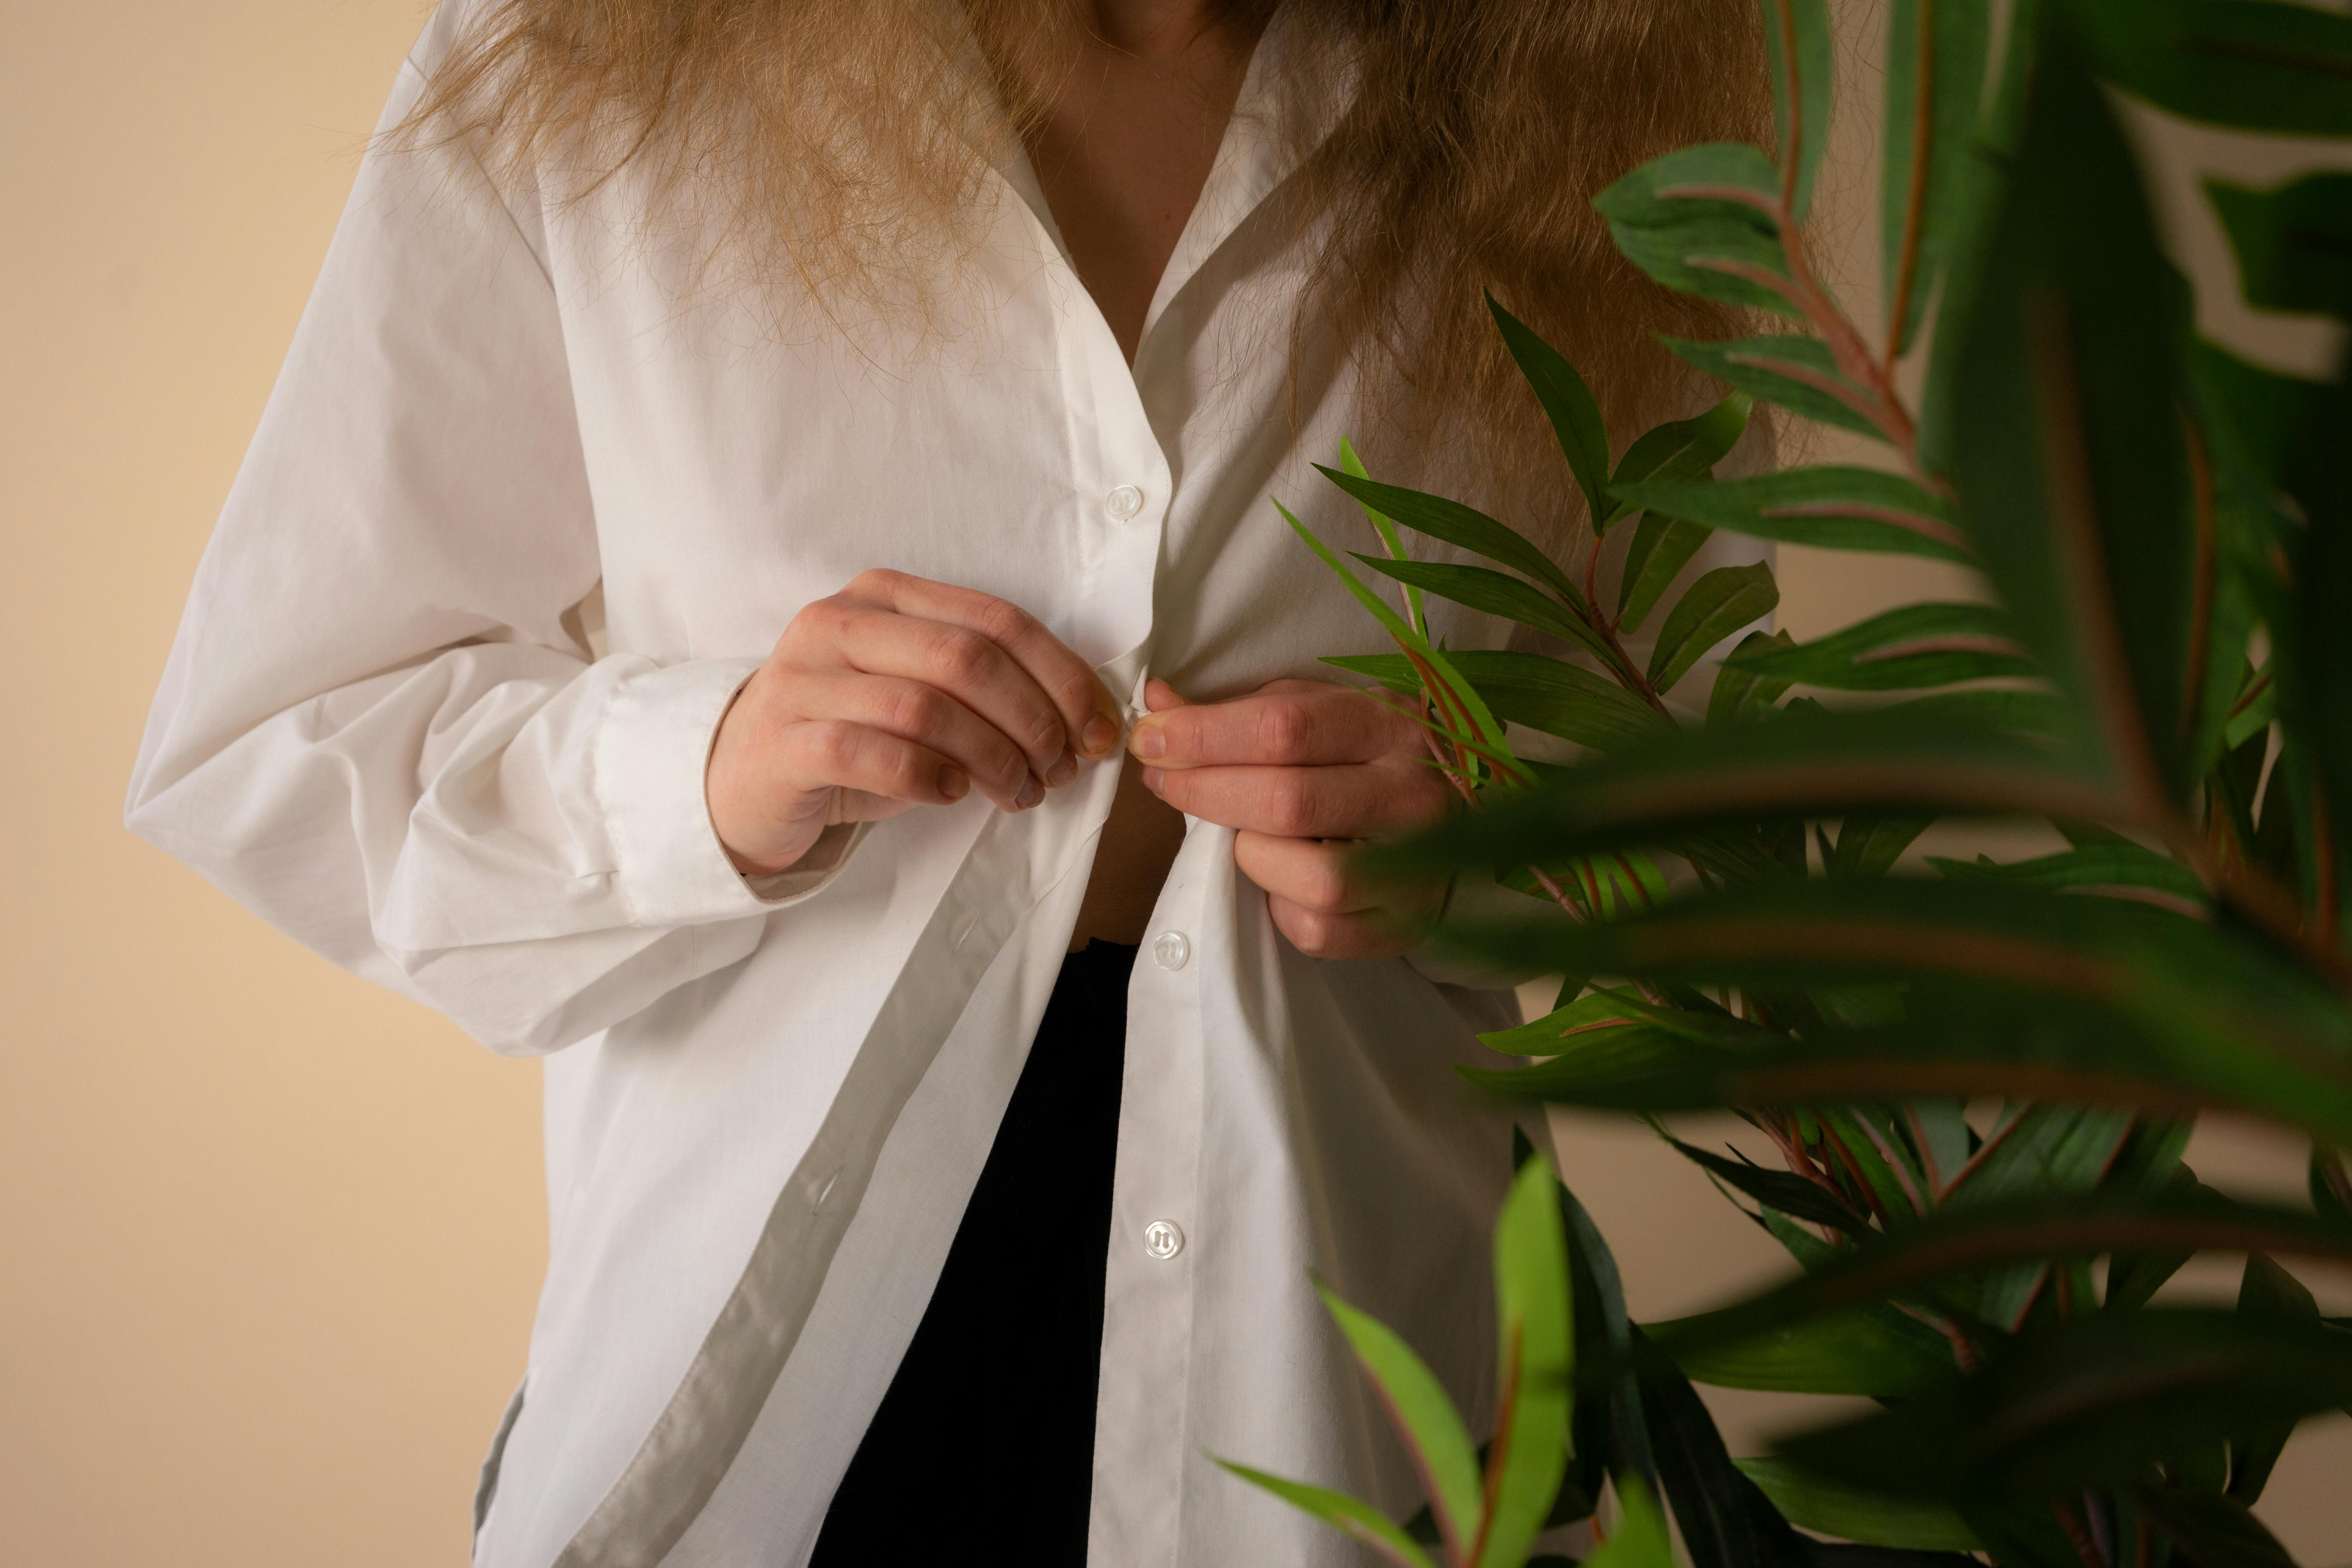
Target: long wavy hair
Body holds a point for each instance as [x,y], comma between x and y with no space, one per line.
[835,145]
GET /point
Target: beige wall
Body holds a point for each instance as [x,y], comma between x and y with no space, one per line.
[271,1236]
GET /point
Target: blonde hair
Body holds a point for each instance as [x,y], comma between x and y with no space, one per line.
[837,143]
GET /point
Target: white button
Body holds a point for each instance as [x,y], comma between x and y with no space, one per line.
[1124,503]
[1170,950]
[1163,1239]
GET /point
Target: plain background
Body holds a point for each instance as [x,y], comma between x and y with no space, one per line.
[272,1236]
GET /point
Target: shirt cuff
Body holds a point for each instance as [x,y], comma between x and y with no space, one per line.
[652,752]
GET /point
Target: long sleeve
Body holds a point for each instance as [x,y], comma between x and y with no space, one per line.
[376,729]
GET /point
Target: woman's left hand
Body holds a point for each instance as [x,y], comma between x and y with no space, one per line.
[1304,772]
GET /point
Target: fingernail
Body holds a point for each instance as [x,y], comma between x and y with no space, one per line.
[1032,792]
[953,782]
[1148,741]
[1151,777]
[1064,769]
[1100,736]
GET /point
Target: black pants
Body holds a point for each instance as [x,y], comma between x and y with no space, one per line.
[988,1431]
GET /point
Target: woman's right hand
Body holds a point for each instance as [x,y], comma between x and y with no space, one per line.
[898,692]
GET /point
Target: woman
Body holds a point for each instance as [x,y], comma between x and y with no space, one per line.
[749,473]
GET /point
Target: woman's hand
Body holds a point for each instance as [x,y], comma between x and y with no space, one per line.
[1305,771]
[898,692]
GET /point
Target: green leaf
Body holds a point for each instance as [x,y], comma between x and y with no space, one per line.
[1713,607]
[1783,1190]
[2040,714]
[2013,991]
[2042,1149]
[2068,448]
[1935,76]
[1902,650]
[2102,866]
[2245,63]
[1872,1352]
[1353,465]
[2294,242]
[1814,764]
[1539,691]
[1727,1520]
[1662,547]
[1456,525]
[1535,1344]
[1609,1425]
[1825,1508]
[1425,1417]
[1869,844]
[1640,1538]
[1682,449]
[2265,1290]
[1493,592]
[1568,404]
[1798,43]
[1343,1513]
[1832,508]
[1740,694]
[2088,1402]
[1490,732]
[1798,374]
[1702,221]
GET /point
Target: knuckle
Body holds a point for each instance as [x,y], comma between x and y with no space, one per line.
[1286,731]
[1001,622]
[875,581]
[831,746]
[1296,805]
[914,711]
[963,657]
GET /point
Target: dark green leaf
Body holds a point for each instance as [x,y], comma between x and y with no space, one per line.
[1456,525]
[1682,449]
[1701,221]
[1662,547]
[2266,1291]
[2294,242]
[1727,1520]
[1741,695]
[1540,692]
[1811,1503]
[2100,865]
[2041,1149]
[1798,374]
[1639,1540]
[2069,453]
[1610,1429]
[2042,714]
[1493,592]
[1782,1189]
[1935,76]
[1568,402]
[1712,609]
[2014,991]
[2089,1402]
[2246,63]
[1868,846]
[1833,508]
[1904,650]
[1875,1352]
[2212,1532]
[1385,526]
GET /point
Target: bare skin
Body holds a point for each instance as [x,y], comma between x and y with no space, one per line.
[898,692]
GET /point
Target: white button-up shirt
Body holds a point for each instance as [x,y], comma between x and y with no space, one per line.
[386,728]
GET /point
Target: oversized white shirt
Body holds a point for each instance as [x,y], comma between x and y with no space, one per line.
[388,726]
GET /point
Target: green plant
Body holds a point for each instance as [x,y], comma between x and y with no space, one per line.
[2160,669]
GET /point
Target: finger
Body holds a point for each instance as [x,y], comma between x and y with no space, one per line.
[1312,873]
[931,719]
[1089,714]
[1289,723]
[819,752]
[967,667]
[1320,935]
[1359,801]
